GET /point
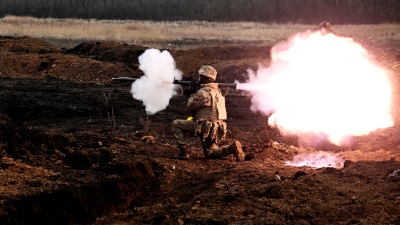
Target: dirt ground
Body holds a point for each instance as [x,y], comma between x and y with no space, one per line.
[76,147]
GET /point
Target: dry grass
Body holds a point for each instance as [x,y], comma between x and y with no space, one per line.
[150,32]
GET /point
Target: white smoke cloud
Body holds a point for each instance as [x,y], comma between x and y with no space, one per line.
[155,88]
[317,160]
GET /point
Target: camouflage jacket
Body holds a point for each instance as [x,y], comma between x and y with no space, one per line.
[207,104]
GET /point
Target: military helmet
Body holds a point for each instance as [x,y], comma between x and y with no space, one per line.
[324,25]
[208,71]
[328,26]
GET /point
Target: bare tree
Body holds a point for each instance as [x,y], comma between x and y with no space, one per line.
[86,5]
[303,11]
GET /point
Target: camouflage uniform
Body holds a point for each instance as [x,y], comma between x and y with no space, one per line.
[207,106]
[180,127]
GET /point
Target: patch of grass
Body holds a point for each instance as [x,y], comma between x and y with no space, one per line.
[151,32]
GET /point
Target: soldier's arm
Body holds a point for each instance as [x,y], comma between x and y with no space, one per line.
[198,100]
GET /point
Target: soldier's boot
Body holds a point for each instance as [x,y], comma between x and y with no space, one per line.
[236,149]
[183,152]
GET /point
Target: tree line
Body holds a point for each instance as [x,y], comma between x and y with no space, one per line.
[266,11]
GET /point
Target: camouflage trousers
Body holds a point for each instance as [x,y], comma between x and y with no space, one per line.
[210,134]
[180,128]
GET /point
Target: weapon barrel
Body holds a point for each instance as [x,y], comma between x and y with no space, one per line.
[195,83]
[181,82]
[227,85]
[124,79]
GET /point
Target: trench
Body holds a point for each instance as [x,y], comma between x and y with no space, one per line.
[79,194]
[74,204]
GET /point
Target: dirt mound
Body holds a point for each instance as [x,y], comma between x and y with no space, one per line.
[227,53]
[78,149]
[27,45]
[240,58]
[98,62]
[231,62]
[111,52]
[33,58]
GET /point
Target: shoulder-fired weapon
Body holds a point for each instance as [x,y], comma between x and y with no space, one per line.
[193,83]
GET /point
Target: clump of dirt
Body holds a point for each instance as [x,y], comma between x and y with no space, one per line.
[76,148]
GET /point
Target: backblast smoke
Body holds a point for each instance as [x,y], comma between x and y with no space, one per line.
[155,88]
[317,160]
[323,85]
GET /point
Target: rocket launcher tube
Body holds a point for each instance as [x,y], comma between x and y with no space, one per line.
[124,79]
[196,84]
[180,82]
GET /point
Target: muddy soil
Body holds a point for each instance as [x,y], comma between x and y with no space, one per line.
[76,147]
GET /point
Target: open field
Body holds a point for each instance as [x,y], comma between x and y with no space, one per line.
[78,149]
[68,33]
